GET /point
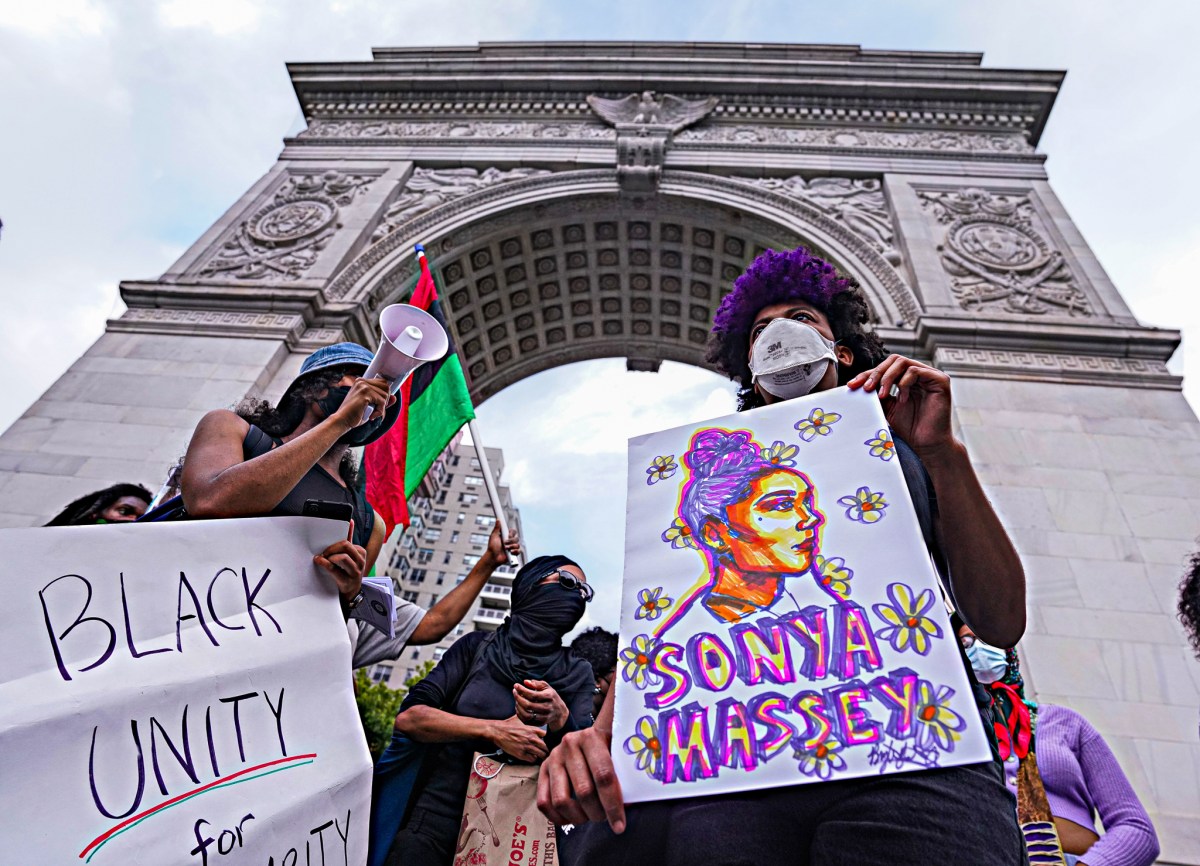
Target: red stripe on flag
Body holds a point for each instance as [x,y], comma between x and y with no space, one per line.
[385,459]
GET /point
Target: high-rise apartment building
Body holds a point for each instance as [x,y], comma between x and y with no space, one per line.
[452,518]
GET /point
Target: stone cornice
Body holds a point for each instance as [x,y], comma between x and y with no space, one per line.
[1060,352]
[817,83]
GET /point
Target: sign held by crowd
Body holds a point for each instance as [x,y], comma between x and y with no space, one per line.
[177,693]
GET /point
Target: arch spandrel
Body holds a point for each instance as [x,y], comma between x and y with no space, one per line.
[561,268]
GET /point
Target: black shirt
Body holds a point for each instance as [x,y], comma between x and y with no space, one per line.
[443,788]
[316,484]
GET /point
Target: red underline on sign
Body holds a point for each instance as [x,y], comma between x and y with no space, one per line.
[223,782]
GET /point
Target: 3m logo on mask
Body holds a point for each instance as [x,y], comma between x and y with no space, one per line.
[790,358]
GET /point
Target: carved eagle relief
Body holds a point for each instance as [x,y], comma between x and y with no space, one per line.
[652,110]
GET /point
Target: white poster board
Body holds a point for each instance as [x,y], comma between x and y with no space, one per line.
[177,693]
[781,620]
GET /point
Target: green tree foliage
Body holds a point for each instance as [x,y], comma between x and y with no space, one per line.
[378,706]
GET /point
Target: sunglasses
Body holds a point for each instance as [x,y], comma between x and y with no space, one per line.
[570,582]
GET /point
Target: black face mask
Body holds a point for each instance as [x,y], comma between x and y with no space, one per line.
[361,434]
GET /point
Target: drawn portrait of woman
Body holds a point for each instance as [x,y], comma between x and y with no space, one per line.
[754,518]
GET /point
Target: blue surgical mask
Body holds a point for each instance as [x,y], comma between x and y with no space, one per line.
[988,662]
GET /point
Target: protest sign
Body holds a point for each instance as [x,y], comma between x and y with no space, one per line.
[781,619]
[177,693]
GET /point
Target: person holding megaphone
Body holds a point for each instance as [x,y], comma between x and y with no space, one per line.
[261,460]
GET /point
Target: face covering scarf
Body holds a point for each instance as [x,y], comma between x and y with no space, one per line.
[529,643]
[789,358]
[360,435]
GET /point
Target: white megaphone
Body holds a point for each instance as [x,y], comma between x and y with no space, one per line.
[410,337]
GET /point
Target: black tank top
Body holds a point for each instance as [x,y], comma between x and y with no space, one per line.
[316,484]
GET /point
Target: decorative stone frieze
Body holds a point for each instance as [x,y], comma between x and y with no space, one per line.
[843,138]
[857,203]
[1073,368]
[210,322]
[283,239]
[998,256]
[442,130]
[428,188]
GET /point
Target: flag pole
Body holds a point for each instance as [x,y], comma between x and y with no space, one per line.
[490,483]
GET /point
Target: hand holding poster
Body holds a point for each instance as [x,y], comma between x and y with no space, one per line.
[177,693]
[781,620]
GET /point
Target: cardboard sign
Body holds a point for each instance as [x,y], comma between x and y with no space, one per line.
[781,619]
[177,693]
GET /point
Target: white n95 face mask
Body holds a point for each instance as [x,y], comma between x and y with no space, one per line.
[789,358]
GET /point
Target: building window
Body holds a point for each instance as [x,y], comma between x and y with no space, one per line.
[470,559]
[441,577]
[424,555]
[472,480]
[467,499]
[461,517]
[441,499]
[439,517]
[459,630]
[416,654]
[454,537]
[446,558]
[460,578]
[484,520]
[454,462]
[479,538]
[438,653]
[432,534]
[409,595]
[380,672]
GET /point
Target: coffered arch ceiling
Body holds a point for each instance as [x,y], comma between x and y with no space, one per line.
[553,280]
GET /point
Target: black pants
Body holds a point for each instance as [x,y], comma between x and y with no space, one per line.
[960,815]
[428,839]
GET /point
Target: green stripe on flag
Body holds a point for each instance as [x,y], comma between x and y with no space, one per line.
[433,418]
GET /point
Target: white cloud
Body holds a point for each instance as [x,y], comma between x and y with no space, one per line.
[564,433]
[221,17]
[54,19]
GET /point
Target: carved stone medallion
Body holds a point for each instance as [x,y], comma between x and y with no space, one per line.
[284,239]
[292,219]
[998,257]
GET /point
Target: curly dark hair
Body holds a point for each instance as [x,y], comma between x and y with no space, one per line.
[1189,602]
[598,648]
[283,419]
[87,508]
[784,276]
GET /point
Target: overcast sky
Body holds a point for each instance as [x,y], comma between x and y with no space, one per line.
[127,128]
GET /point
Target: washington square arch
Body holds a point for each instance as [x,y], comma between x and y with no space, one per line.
[589,200]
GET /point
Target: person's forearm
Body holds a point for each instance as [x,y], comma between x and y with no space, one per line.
[430,725]
[448,612]
[256,486]
[985,570]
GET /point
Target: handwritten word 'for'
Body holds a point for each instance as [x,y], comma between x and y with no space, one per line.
[188,607]
[231,840]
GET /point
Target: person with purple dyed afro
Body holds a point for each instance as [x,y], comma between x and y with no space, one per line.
[794,326]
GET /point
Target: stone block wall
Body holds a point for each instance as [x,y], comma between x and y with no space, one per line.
[123,412]
[1100,489]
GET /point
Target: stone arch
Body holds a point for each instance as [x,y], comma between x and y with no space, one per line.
[563,267]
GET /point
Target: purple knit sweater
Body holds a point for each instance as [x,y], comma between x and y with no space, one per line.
[1083,780]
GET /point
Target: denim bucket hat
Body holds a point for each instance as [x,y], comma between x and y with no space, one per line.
[346,355]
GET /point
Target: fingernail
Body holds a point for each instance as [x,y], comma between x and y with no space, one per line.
[618,826]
